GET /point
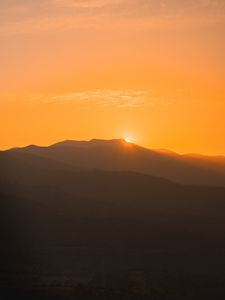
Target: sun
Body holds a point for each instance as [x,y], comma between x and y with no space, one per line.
[127,140]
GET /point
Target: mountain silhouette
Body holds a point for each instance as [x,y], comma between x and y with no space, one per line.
[118,155]
[85,220]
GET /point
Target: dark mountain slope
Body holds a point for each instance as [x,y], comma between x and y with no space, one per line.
[127,232]
[28,175]
[117,155]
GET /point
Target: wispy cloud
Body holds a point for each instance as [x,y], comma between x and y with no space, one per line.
[85,3]
[25,16]
[116,98]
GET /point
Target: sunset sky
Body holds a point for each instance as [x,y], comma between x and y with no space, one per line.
[152,71]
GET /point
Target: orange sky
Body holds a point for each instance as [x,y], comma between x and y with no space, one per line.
[150,70]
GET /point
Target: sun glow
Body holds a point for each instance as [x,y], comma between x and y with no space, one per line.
[127,140]
[125,87]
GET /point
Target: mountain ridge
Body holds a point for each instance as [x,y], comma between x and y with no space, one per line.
[119,155]
[98,141]
[69,224]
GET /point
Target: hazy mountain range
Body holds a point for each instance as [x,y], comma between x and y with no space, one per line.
[118,155]
[127,222]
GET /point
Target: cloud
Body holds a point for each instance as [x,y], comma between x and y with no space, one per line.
[85,3]
[116,98]
[148,5]
[26,17]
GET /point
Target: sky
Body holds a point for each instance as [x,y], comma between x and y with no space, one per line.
[152,71]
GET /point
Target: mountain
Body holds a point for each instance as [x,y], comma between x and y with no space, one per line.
[118,155]
[70,230]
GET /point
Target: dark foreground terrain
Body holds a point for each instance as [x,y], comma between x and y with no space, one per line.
[70,233]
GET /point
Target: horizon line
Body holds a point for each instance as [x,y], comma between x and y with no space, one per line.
[162,150]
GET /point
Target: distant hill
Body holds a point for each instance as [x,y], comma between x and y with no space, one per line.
[118,155]
[73,213]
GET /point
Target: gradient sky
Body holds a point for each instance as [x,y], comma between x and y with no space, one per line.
[149,70]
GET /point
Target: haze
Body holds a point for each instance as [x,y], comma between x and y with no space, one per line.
[152,71]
